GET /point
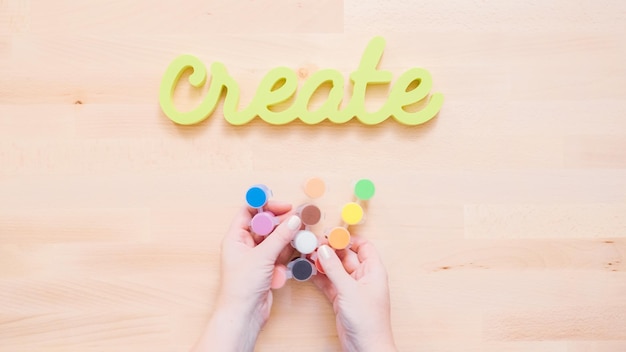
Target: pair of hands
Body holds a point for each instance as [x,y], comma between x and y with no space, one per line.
[355,283]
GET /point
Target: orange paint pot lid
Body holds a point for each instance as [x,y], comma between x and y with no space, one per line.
[314,187]
[339,238]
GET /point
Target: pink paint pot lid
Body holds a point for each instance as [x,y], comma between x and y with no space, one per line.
[263,223]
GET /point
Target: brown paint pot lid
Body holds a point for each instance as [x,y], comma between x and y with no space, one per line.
[310,214]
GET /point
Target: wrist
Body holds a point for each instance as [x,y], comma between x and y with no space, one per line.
[378,342]
[386,346]
[232,327]
[243,317]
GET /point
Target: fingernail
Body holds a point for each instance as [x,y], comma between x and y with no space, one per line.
[294,223]
[324,251]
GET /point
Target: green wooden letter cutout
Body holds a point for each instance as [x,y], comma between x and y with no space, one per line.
[281,83]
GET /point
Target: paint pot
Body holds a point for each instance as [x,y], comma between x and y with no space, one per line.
[314,187]
[310,214]
[263,223]
[364,189]
[352,213]
[257,196]
[305,242]
[318,266]
[338,238]
[301,269]
[316,260]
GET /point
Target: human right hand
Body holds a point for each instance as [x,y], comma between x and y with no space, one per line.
[356,285]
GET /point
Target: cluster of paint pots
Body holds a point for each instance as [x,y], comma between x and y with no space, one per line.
[305,241]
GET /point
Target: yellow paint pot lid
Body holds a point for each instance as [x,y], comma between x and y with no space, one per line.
[352,213]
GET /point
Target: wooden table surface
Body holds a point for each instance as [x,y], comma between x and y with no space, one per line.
[502,221]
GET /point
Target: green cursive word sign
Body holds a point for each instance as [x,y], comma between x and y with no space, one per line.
[281,83]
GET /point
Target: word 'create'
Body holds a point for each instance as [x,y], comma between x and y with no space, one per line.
[281,83]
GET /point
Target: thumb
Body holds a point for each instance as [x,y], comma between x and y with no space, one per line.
[333,268]
[273,244]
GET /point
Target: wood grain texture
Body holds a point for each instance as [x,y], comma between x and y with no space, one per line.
[502,222]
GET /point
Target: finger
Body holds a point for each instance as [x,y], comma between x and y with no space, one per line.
[279,277]
[241,220]
[276,207]
[257,238]
[364,249]
[238,231]
[327,288]
[349,259]
[285,255]
[334,269]
[323,240]
[273,245]
[279,209]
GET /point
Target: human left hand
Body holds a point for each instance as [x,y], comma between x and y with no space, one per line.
[248,264]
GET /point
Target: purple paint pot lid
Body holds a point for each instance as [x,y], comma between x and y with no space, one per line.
[263,223]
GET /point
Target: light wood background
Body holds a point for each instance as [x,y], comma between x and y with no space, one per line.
[502,222]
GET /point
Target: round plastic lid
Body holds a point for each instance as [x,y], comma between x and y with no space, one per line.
[364,189]
[339,238]
[318,265]
[314,187]
[310,214]
[352,213]
[302,269]
[262,223]
[256,197]
[305,242]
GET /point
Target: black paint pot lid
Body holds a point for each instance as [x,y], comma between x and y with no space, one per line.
[302,270]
